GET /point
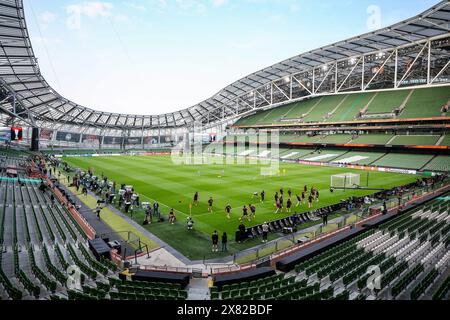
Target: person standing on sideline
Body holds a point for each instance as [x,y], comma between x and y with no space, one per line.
[265,229]
[325,219]
[148,214]
[263,194]
[172,216]
[242,231]
[156,209]
[97,210]
[224,242]
[215,241]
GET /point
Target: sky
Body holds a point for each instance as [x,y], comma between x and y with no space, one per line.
[158,56]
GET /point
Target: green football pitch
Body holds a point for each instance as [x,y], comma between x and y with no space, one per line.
[173,186]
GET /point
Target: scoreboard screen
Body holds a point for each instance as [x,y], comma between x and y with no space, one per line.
[5,134]
[9,134]
[16,134]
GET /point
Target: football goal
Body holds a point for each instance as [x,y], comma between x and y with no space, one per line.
[345,181]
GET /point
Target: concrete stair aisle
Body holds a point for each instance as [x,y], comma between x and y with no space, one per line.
[438,143]
[198,289]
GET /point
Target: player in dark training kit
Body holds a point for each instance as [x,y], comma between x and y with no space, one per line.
[196,199]
[252,210]
[299,200]
[228,211]
[245,213]
[210,204]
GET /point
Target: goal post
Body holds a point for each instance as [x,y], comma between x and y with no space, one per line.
[345,181]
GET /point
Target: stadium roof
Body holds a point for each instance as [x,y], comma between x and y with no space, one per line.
[19,71]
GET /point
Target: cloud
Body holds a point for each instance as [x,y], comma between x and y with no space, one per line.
[218,3]
[92,10]
[191,5]
[294,7]
[135,6]
[46,18]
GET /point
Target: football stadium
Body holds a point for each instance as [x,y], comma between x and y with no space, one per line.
[321,177]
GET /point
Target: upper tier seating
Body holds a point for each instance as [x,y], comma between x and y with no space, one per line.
[386,102]
[406,161]
[411,103]
[373,139]
[426,102]
[350,108]
[418,140]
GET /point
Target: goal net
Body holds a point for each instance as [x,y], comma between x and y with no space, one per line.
[345,180]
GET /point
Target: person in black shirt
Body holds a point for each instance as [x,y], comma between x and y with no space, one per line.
[196,199]
[263,194]
[288,205]
[210,204]
[310,200]
[172,216]
[299,200]
[241,232]
[215,241]
[252,210]
[325,219]
[224,242]
[97,210]
[245,213]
